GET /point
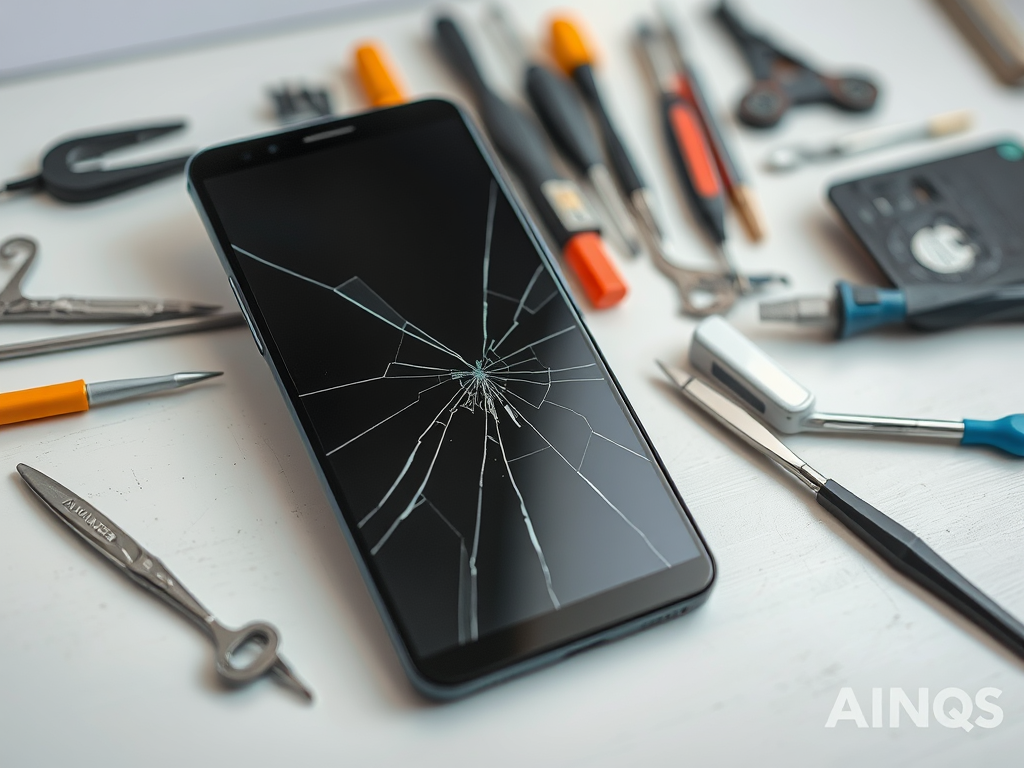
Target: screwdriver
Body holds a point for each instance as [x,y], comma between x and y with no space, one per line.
[688,85]
[691,153]
[758,383]
[560,203]
[381,86]
[576,59]
[76,396]
[854,309]
[563,114]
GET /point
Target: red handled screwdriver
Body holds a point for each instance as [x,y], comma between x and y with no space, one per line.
[691,152]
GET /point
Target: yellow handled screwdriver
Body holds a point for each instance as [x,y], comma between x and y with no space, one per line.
[76,396]
[377,76]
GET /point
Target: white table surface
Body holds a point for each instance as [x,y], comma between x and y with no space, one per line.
[215,480]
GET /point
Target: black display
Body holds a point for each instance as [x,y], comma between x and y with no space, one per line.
[477,446]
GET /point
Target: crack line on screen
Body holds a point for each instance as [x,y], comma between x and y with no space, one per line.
[482,385]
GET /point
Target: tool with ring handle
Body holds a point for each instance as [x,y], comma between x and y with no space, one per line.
[146,570]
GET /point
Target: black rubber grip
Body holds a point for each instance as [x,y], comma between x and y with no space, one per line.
[622,164]
[564,116]
[515,135]
[918,562]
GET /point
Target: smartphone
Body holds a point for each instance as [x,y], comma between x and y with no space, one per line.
[504,504]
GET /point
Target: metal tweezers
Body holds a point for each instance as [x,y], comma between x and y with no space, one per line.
[16,307]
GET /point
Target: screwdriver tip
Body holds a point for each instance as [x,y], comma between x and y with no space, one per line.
[192,377]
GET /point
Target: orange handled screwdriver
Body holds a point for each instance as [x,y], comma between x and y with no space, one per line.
[564,210]
[75,396]
[372,67]
[576,59]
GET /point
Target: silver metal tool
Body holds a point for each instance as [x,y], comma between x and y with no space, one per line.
[756,381]
[146,570]
[14,306]
[103,392]
[792,156]
[899,547]
[133,332]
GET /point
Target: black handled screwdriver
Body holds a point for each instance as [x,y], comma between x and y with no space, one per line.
[559,201]
[564,116]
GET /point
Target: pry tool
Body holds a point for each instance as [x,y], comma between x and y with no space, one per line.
[562,207]
[728,358]
[77,396]
[903,550]
[782,80]
[147,571]
[63,176]
[15,307]
[855,309]
[563,115]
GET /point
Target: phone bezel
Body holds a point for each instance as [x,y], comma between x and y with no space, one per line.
[528,644]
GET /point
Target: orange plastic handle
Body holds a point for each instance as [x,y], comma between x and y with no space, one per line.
[40,402]
[689,137]
[568,46]
[382,89]
[601,280]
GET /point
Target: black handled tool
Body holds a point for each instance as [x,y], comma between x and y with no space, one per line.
[891,541]
[564,116]
[781,80]
[63,177]
[562,207]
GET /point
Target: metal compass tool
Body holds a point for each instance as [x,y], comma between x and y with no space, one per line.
[145,569]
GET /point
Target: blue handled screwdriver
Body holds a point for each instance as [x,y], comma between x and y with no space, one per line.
[854,309]
[758,383]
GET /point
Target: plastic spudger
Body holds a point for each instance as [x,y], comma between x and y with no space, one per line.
[375,74]
[576,60]
[41,402]
[1006,433]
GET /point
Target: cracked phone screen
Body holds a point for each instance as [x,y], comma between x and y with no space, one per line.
[479,451]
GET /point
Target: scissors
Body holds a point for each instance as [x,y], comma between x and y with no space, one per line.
[14,306]
[145,569]
[782,80]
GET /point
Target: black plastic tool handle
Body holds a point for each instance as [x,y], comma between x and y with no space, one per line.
[917,561]
[515,135]
[564,116]
[621,163]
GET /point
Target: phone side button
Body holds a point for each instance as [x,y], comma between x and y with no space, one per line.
[245,314]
